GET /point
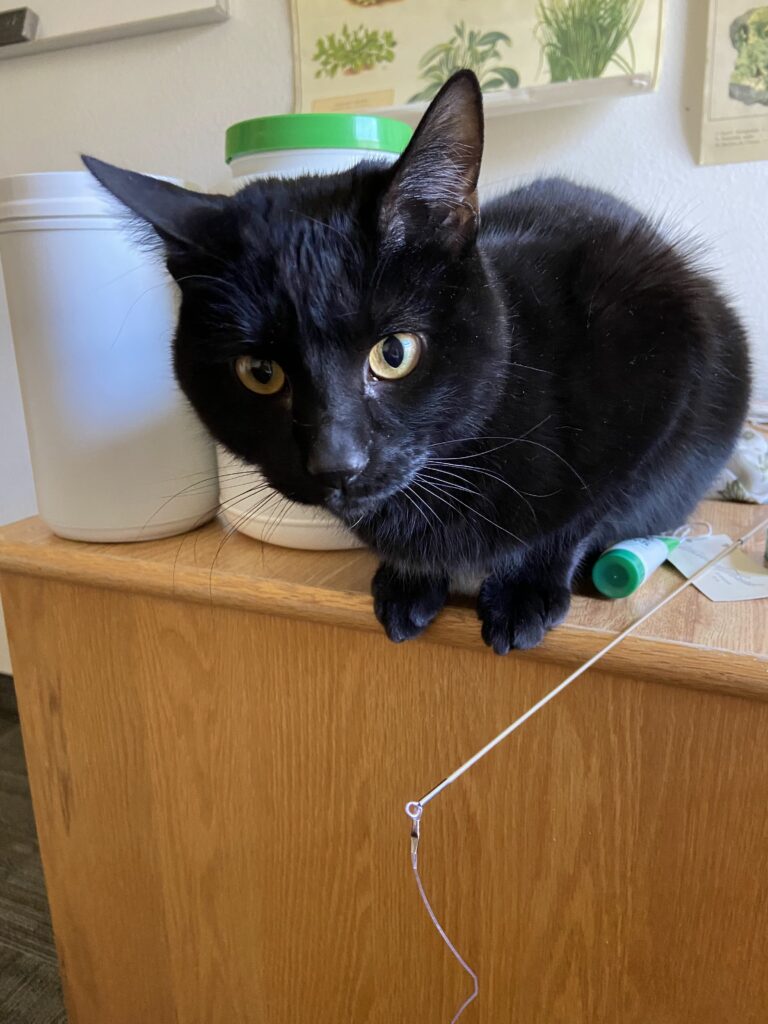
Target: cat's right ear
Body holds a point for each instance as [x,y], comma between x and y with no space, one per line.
[180,217]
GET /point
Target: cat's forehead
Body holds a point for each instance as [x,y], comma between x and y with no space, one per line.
[318,270]
[308,242]
[314,207]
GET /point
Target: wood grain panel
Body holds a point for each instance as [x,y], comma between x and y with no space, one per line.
[219,795]
[694,641]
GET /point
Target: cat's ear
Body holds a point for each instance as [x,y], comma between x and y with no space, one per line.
[433,192]
[179,216]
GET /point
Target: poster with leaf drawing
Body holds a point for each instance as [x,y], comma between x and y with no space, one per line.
[378,54]
[735,108]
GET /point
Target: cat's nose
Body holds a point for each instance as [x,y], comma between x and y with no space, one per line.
[337,469]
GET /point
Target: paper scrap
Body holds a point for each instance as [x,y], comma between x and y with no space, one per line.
[739,577]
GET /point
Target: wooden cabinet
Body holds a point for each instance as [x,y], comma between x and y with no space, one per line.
[221,742]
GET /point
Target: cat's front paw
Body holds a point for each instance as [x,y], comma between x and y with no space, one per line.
[518,615]
[405,605]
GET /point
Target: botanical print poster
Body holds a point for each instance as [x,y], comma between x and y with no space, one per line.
[735,110]
[374,54]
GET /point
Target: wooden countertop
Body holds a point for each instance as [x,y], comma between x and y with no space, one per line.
[692,641]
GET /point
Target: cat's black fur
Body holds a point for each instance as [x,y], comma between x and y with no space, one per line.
[581,382]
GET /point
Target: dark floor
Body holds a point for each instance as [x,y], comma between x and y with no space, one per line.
[29,983]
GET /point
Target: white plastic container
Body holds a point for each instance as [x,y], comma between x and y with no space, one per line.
[117,453]
[287,146]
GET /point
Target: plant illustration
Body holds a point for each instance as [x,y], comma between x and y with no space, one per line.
[473,49]
[353,51]
[580,38]
[749,35]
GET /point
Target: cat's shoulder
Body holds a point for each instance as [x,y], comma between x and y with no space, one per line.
[556,202]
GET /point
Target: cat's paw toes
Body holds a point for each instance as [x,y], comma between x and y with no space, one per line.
[406,607]
[518,616]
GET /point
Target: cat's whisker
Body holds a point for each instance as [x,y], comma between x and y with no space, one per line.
[190,489]
[560,458]
[435,493]
[238,525]
[549,494]
[133,305]
[120,277]
[492,522]
[494,437]
[436,468]
[536,369]
[229,473]
[521,440]
[186,476]
[204,277]
[450,485]
[436,490]
[215,510]
[409,493]
[201,485]
[234,527]
[279,515]
[152,288]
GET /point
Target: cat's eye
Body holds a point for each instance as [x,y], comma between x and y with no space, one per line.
[395,356]
[262,376]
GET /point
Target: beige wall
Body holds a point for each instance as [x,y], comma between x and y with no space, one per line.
[161,103]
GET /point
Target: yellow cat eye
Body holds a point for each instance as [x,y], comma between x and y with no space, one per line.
[262,376]
[395,356]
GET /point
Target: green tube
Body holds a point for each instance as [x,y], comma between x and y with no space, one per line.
[622,569]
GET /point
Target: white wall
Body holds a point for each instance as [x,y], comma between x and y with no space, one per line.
[161,103]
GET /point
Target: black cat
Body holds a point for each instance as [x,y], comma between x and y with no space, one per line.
[500,397]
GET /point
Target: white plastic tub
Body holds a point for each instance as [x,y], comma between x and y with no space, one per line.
[287,146]
[117,454]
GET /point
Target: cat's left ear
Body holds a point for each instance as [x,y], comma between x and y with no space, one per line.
[433,192]
[181,218]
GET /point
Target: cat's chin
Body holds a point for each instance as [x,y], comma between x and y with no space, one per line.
[351,509]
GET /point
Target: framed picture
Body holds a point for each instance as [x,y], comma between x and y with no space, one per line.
[395,54]
[735,108]
[66,23]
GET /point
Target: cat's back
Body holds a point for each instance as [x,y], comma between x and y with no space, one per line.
[603,295]
[555,209]
[582,247]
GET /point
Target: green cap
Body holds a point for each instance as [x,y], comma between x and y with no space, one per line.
[317,131]
[618,573]
[671,542]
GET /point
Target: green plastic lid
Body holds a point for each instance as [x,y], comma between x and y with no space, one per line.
[618,573]
[316,131]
